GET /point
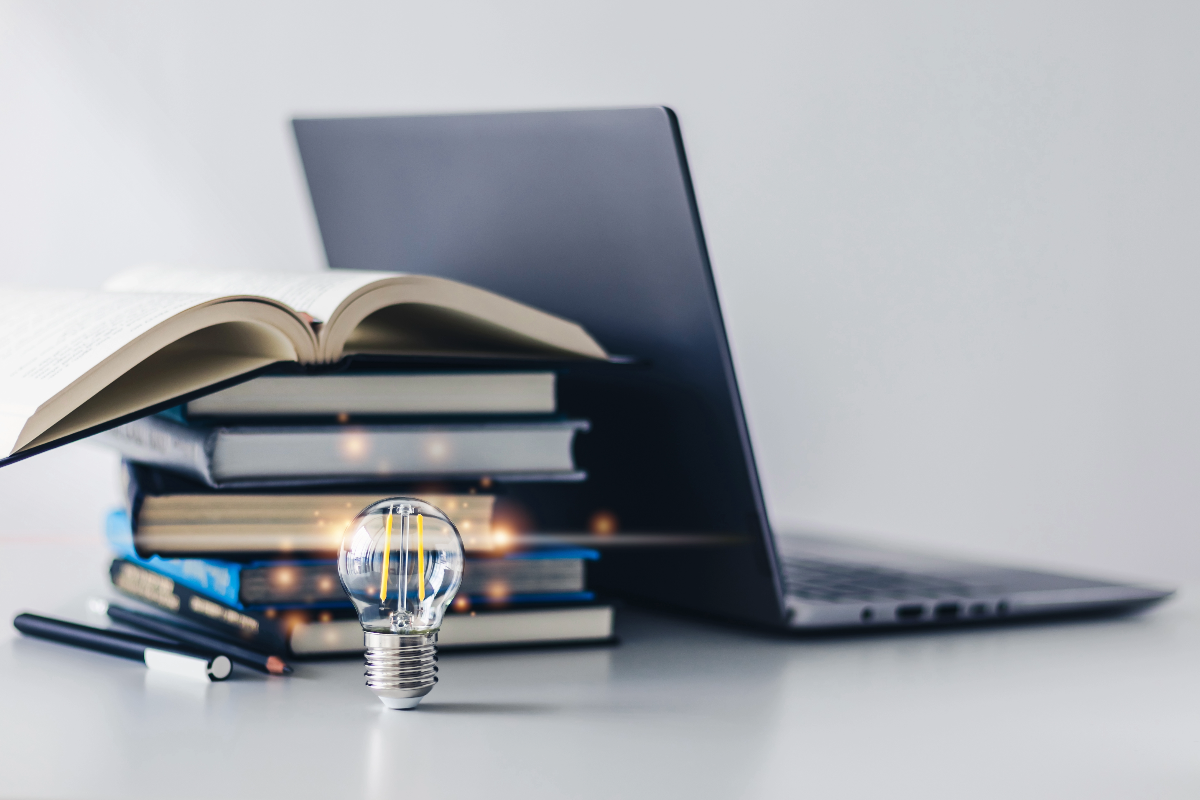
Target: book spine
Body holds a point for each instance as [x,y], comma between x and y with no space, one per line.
[215,579]
[255,630]
[134,496]
[167,444]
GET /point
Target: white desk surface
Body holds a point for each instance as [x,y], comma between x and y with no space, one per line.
[1086,709]
[679,709]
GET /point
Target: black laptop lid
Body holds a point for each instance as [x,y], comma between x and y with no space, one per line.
[589,215]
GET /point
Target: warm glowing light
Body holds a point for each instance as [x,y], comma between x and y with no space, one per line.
[343,418]
[603,523]
[497,591]
[501,536]
[325,585]
[325,616]
[461,603]
[387,552]
[485,482]
[284,577]
[354,446]
[290,621]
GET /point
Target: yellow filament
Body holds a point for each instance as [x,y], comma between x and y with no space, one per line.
[421,556]
[387,552]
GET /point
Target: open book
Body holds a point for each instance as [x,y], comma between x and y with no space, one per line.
[78,362]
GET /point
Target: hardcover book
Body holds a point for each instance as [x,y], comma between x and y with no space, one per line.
[225,456]
[171,515]
[381,395]
[81,361]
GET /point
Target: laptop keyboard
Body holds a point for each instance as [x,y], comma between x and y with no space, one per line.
[835,582]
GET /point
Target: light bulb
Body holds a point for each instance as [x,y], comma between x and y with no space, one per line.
[401,561]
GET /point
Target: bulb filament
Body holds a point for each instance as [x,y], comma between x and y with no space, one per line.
[421,557]
[387,552]
[404,545]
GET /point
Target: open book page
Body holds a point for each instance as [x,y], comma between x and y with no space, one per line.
[317,294]
[386,312]
[55,337]
[436,316]
[76,360]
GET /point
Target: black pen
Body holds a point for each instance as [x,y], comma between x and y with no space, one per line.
[169,629]
[154,653]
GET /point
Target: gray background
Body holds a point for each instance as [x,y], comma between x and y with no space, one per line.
[956,246]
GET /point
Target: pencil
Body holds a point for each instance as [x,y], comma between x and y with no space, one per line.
[154,653]
[272,665]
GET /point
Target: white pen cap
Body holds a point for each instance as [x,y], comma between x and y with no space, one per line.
[214,669]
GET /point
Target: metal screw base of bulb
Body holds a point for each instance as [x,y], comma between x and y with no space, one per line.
[401,668]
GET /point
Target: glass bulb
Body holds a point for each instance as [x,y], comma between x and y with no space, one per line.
[401,562]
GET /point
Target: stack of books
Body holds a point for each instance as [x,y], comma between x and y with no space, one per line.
[236,503]
[365,386]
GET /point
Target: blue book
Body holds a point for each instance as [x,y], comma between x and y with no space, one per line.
[548,575]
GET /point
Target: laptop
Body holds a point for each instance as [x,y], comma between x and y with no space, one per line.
[591,215]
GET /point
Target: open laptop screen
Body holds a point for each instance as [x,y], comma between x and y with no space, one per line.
[589,215]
